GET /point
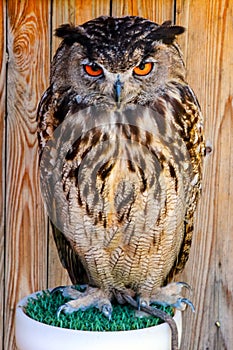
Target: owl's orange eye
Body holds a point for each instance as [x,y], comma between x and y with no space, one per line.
[93,70]
[143,68]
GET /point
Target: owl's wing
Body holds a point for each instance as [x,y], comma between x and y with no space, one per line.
[51,112]
[184,249]
[52,109]
[69,259]
[190,118]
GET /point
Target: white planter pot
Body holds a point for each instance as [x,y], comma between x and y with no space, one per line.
[33,335]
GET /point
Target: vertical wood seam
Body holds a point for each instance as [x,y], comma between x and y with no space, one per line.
[174,12]
[5,61]
[110,7]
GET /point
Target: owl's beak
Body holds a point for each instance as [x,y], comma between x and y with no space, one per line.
[118,85]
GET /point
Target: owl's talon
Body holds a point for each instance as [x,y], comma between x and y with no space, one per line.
[83,287]
[185,285]
[107,311]
[139,313]
[143,303]
[188,302]
[58,289]
[61,309]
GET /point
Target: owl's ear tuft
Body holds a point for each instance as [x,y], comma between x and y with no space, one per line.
[70,33]
[166,32]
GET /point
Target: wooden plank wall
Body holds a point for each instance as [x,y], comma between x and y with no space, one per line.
[28,259]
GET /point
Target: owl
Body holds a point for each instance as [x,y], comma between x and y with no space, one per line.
[121,150]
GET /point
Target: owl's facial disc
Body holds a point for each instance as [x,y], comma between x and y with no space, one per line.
[117,87]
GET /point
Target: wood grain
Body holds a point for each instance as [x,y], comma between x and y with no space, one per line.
[93,9]
[2,160]
[158,11]
[26,241]
[209,58]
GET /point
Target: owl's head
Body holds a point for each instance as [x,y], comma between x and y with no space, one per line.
[123,60]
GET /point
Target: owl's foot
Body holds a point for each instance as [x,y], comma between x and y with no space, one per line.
[170,295]
[91,297]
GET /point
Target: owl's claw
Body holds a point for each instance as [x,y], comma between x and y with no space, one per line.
[187,302]
[107,311]
[57,289]
[64,309]
[185,285]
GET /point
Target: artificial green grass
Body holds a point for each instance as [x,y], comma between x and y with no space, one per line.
[44,309]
